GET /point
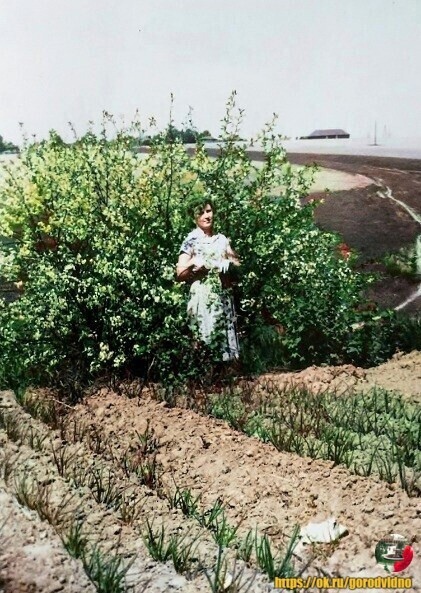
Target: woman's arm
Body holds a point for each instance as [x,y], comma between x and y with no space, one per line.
[188,269]
[232,256]
[184,267]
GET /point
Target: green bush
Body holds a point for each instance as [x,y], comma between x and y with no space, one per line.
[403,262]
[96,234]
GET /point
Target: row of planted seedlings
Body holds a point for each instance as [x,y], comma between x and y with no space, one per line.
[98,481]
[255,551]
[183,545]
[105,568]
[48,488]
[377,432]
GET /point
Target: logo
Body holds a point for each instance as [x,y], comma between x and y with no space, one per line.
[394,553]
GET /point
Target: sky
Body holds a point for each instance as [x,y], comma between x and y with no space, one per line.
[316,63]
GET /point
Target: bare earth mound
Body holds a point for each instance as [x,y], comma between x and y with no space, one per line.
[401,374]
[32,557]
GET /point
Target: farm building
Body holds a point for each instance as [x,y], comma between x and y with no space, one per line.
[320,134]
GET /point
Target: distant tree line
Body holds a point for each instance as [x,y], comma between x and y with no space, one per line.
[7,146]
[173,134]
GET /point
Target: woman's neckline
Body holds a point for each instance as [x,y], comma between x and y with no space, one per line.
[202,232]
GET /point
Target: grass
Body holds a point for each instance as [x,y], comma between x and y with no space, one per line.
[107,572]
[212,519]
[130,509]
[209,518]
[75,541]
[276,563]
[147,441]
[402,263]
[63,458]
[44,408]
[96,441]
[34,438]
[147,470]
[224,533]
[104,487]
[245,547]
[223,579]
[8,461]
[184,500]
[74,431]
[10,422]
[78,474]
[148,473]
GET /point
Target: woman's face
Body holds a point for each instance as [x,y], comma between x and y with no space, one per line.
[205,220]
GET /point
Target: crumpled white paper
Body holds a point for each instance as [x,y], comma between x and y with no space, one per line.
[320,533]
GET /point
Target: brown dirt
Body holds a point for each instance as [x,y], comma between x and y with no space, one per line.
[402,373]
[370,224]
[260,487]
[32,556]
[402,175]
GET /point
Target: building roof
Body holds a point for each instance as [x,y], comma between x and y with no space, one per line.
[330,132]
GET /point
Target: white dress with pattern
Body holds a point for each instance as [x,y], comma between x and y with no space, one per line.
[210,307]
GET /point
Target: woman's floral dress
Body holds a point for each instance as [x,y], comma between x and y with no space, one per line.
[210,308]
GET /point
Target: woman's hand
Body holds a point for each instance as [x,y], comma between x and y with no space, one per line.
[199,269]
[229,272]
[224,265]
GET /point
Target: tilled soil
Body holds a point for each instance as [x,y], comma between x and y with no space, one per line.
[58,476]
[32,556]
[402,373]
[370,224]
[260,488]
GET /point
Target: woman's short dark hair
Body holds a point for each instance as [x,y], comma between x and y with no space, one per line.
[197,204]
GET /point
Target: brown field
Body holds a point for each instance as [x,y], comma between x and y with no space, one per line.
[370,224]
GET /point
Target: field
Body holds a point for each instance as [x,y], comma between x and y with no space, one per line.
[371,224]
[125,461]
[140,489]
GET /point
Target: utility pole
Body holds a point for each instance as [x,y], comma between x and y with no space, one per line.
[375,135]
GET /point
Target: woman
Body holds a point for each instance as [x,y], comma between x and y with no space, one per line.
[205,260]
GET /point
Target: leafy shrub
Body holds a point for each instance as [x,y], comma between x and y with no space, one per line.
[96,233]
[403,263]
